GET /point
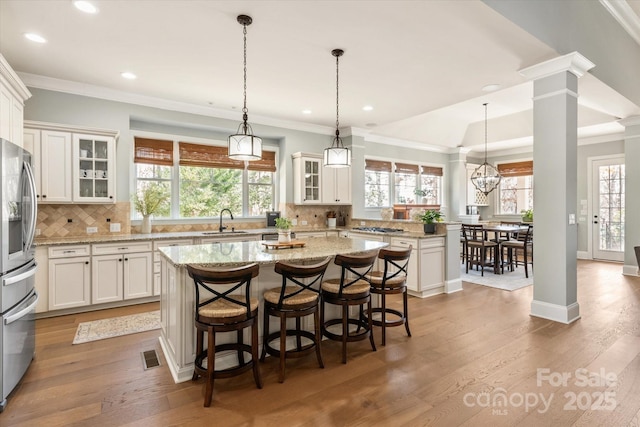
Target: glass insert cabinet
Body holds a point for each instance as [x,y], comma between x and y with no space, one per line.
[94,168]
[307,172]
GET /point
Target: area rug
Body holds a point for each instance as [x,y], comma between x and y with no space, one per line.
[509,281]
[117,326]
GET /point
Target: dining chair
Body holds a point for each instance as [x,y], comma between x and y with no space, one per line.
[479,251]
[522,243]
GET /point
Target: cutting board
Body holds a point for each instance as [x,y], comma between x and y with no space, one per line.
[279,245]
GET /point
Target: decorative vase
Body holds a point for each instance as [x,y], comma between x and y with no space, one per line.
[145,228]
[284,236]
[429,228]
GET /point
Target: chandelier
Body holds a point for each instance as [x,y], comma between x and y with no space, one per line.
[337,156]
[486,177]
[244,145]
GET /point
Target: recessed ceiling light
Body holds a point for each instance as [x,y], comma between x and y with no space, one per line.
[307,111]
[491,88]
[128,75]
[367,108]
[35,37]
[85,6]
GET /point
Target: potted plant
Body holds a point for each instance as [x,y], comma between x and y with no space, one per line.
[149,200]
[527,216]
[284,229]
[429,218]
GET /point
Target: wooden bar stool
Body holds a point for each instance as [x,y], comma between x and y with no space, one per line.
[392,280]
[351,289]
[223,304]
[298,297]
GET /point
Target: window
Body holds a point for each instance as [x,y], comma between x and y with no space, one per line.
[516,187]
[430,183]
[406,179]
[205,180]
[377,176]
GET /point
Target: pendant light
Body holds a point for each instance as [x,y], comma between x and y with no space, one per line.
[486,177]
[337,156]
[244,145]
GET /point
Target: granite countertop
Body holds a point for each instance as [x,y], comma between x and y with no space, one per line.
[238,253]
[107,238]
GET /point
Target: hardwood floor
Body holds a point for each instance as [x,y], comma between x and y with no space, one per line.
[468,350]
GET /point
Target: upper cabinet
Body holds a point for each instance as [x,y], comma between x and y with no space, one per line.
[13,93]
[314,184]
[72,164]
[307,173]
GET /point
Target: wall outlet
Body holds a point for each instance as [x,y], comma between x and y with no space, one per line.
[37,231]
[114,227]
[294,221]
[92,230]
[304,222]
[363,223]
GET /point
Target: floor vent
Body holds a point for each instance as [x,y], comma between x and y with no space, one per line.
[150,359]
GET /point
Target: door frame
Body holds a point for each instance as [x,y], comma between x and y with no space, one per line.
[590,199]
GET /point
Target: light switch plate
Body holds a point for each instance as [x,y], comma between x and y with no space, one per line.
[572,219]
[304,222]
[92,230]
[294,221]
[114,227]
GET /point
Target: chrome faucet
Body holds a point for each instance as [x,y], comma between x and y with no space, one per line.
[221,228]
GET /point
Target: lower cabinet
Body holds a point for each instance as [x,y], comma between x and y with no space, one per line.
[69,276]
[413,272]
[121,271]
[157,257]
[432,266]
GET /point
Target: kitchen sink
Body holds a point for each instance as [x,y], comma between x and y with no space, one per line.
[218,233]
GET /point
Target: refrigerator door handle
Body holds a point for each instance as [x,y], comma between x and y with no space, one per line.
[19,277]
[31,233]
[17,316]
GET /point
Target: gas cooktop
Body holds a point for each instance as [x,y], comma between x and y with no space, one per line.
[379,229]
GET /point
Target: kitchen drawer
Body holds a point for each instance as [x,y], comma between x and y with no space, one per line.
[435,242]
[310,234]
[157,244]
[69,251]
[403,242]
[121,248]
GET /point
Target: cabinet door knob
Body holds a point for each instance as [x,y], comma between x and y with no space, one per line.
[126,259]
[44,196]
[119,259]
[111,197]
[86,262]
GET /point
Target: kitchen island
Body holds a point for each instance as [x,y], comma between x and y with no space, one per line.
[177,336]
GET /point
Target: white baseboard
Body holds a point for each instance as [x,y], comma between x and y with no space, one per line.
[452,286]
[555,312]
[584,255]
[630,270]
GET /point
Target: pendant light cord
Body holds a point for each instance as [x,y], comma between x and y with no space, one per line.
[337,95]
[244,108]
[485,132]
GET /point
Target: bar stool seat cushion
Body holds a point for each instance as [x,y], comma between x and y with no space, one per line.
[304,297]
[222,308]
[333,286]
[376,278]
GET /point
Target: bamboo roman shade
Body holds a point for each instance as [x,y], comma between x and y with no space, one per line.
[207,156]
[516,169]
[266,164]
[407,168]
[153,151]
[431,170]
[377,165]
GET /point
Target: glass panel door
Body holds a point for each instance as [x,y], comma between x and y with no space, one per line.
[608,212]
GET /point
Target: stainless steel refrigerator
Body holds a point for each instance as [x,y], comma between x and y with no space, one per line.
[18,296]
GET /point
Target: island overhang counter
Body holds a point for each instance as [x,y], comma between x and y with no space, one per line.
[177,308]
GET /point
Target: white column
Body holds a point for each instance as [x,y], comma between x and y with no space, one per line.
[458,189]
[632,190]
[555,140]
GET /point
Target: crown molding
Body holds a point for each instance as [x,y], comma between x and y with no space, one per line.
[573,62]
[15,84]
[100,92]
[625,16]
[405,143]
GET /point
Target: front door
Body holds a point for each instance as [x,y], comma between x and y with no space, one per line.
[608,209]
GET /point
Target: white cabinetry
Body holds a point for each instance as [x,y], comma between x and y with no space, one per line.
[432,265]
[309,234]
[227,239]
[336,186]
[13,93]
[72,164]
[307,176]
[314,184]
[156,258]
[51,164]
[121,271]
[69,276]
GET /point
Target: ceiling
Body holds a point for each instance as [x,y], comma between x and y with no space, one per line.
[421,65]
